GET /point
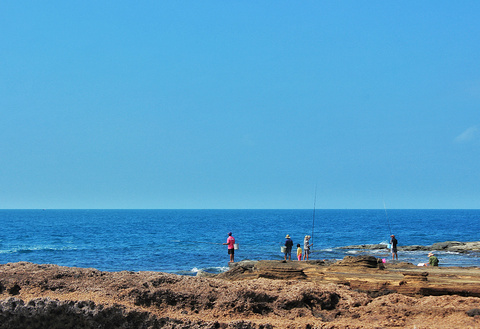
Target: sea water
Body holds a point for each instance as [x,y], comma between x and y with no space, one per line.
[188,241]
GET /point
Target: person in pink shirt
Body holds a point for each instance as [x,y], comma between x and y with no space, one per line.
[231,248]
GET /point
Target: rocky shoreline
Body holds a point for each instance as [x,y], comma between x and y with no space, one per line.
[356,292]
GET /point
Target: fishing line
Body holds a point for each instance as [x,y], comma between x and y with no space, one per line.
[190,241]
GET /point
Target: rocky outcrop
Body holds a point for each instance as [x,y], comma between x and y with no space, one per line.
[360,261]
[264,294]
[453,246]
[456,246]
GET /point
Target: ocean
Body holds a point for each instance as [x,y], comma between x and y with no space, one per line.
[187,241]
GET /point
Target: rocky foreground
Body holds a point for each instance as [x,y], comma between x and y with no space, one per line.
[357,292]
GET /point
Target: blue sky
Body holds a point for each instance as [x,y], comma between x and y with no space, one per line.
[239,104]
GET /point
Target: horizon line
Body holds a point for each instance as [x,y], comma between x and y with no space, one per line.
[310,209]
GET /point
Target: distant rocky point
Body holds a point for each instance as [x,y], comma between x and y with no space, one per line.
[453,246]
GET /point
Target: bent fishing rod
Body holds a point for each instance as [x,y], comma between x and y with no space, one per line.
[314,204]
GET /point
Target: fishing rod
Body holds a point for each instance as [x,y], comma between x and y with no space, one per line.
[314,204]
[386,215]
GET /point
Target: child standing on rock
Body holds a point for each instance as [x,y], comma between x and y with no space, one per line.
[299,252]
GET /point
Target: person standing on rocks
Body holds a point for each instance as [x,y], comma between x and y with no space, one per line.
[394,242]
[231,246]
[306,247]
[299,252]
[288,247]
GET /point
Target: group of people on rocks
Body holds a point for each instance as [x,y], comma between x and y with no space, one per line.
[432,260]
[306,248]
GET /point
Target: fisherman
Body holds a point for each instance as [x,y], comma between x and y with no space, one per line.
[306,247]
[288,247]
[231,246]
[393,243]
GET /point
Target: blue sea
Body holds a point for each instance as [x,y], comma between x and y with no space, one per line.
[187,241]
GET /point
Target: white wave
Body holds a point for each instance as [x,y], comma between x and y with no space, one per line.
[27,249]
[378,251]
[212,269]
[223,268]
[216,269]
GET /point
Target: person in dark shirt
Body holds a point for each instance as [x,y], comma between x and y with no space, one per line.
[288,247]
[394,242]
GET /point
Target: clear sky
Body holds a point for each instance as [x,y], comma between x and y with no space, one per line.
[239,104]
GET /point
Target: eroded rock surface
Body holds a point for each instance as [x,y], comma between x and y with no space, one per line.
[253,295]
